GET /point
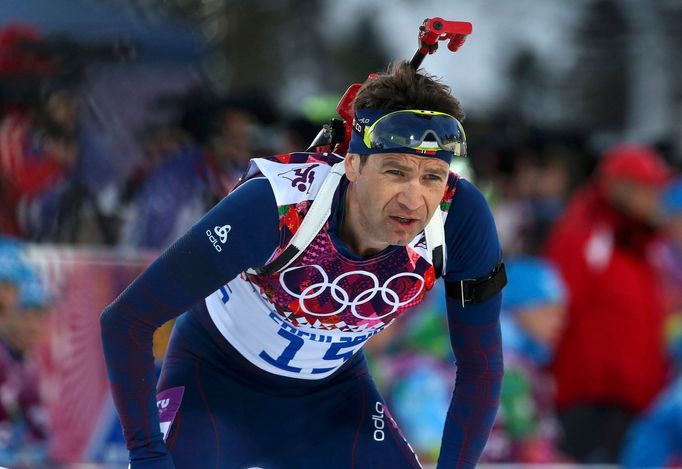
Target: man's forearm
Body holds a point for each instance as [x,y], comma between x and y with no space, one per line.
[128,353]
[476,341]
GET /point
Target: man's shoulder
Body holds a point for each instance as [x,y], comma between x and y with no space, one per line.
[295,160]
[470,233]
[463,197]
[466,189]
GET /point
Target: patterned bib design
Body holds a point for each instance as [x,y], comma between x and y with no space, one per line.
[309,319]
[324,289]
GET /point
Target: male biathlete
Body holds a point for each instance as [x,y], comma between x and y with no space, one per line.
[286,278]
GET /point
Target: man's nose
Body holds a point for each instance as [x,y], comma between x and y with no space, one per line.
[410,198]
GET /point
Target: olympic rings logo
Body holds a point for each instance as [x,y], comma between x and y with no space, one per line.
[342,297]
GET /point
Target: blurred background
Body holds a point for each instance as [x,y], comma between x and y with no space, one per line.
[122,121]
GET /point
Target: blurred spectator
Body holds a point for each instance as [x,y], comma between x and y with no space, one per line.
[23,331]
[12,272]
[23,426]
[48,165]
[183,186]
[52,171]
[655,439]
[668,258]
[533,185]
[157,144]
[299,130]
[533,312]
[551,186]
[297,134]
[610,362]
[37,154]
[20,72]
[513,180]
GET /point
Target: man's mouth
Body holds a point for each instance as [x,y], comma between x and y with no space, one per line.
[404,220]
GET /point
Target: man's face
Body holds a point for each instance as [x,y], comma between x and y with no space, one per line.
[391,198]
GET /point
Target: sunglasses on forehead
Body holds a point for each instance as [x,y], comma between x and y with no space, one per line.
[427,131]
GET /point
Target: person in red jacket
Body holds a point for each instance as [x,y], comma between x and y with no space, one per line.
[610,360]
[38,152]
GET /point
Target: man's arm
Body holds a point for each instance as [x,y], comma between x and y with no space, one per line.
[473,252]
[240,232]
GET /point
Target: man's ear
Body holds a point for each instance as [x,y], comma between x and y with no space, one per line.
[352,166]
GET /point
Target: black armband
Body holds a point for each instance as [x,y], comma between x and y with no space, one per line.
[474,291]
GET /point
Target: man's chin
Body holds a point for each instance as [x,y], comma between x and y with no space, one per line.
[405,238]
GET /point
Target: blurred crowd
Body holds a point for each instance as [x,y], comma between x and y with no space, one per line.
[55,183]
[24,303]
[592,237]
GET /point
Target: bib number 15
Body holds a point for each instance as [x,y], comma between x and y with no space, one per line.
[339,352]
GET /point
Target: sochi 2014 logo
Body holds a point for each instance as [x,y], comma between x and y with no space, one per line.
[301,178]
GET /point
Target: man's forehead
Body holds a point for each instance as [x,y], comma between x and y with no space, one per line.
[411,160]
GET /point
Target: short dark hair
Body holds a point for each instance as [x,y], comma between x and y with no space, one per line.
[402,87]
